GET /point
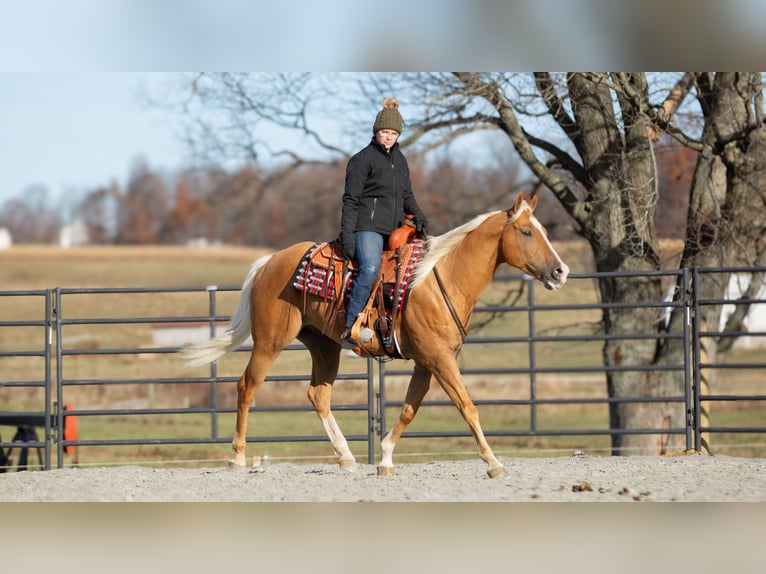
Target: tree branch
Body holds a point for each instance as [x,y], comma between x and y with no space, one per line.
[661,116]
[564,159]
[555,106]
[508,122]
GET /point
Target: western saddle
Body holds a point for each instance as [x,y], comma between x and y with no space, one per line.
[388,296]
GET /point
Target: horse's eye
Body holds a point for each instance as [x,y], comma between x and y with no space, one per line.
[526,232]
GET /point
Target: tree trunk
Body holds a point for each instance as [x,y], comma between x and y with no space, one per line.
[622,198]
[612,195]
[724,195]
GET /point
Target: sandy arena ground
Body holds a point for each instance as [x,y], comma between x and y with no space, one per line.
[576,479]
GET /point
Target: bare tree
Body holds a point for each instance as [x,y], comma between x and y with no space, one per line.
[98,211]
[611,122]
[31,219]
[143,208]
[727,200]
[190,217]
[590,139]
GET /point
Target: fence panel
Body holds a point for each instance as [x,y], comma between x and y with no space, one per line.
[129,369]
[559,354]
[738,385]
[25,384]
[532,363]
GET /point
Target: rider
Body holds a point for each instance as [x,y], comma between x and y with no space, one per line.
[377,195]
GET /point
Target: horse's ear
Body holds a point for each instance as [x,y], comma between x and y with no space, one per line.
[522,197]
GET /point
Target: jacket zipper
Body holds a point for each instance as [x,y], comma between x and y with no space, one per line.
[396,187]
[374,205]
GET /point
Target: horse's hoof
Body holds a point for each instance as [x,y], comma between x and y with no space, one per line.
[235,466]
[260,460]
[497,472]
[348,465]
[385,471]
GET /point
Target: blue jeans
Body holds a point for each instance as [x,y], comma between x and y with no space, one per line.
[369,248]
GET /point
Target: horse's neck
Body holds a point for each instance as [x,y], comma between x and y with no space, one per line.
[473,261]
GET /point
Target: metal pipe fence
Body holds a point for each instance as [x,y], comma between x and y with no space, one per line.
[38,413]
[70,352]
[532,339]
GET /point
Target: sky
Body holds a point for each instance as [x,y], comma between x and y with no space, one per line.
[70,131]
[74,132]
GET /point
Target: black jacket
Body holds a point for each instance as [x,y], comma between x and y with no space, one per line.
[378,192]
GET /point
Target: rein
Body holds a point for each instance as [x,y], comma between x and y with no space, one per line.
[450,306]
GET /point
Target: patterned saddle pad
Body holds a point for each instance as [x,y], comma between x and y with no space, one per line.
[315,276]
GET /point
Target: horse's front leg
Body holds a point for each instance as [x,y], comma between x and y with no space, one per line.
[416,391]
[448,375]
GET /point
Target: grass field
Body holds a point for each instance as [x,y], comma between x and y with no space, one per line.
[32,267]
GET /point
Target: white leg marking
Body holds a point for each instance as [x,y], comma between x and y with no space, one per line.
[387,451]
[337,439]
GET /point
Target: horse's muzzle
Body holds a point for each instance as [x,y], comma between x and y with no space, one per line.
[557,277]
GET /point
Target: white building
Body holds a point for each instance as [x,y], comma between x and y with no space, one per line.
[755,321]
[73,235]
[5,238]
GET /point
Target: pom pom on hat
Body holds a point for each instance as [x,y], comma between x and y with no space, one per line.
[390,104]
[389,117]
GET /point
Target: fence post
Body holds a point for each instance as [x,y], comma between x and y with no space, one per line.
[696,360]
[56,318]
[532,359]
[688,299]
[211,290]
[47,361]
[371,414]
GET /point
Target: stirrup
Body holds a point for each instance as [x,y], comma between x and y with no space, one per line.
[361,334]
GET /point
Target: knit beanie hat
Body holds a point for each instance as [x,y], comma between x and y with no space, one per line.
[389,117]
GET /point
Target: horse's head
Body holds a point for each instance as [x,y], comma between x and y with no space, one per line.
[525,245]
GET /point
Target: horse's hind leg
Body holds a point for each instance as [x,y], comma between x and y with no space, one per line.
[325,357]
[249,383]
[416,391]
[319,395]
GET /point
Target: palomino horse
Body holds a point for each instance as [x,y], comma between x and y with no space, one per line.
[457,267]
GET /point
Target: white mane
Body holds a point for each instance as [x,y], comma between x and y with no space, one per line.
[439,246]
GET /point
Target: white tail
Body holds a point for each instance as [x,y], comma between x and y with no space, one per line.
[239,326]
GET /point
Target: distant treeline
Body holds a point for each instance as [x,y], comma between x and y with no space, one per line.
[251,206]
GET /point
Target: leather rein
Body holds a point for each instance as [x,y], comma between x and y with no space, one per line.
[450,306]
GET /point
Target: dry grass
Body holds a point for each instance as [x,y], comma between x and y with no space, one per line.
[41,267]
